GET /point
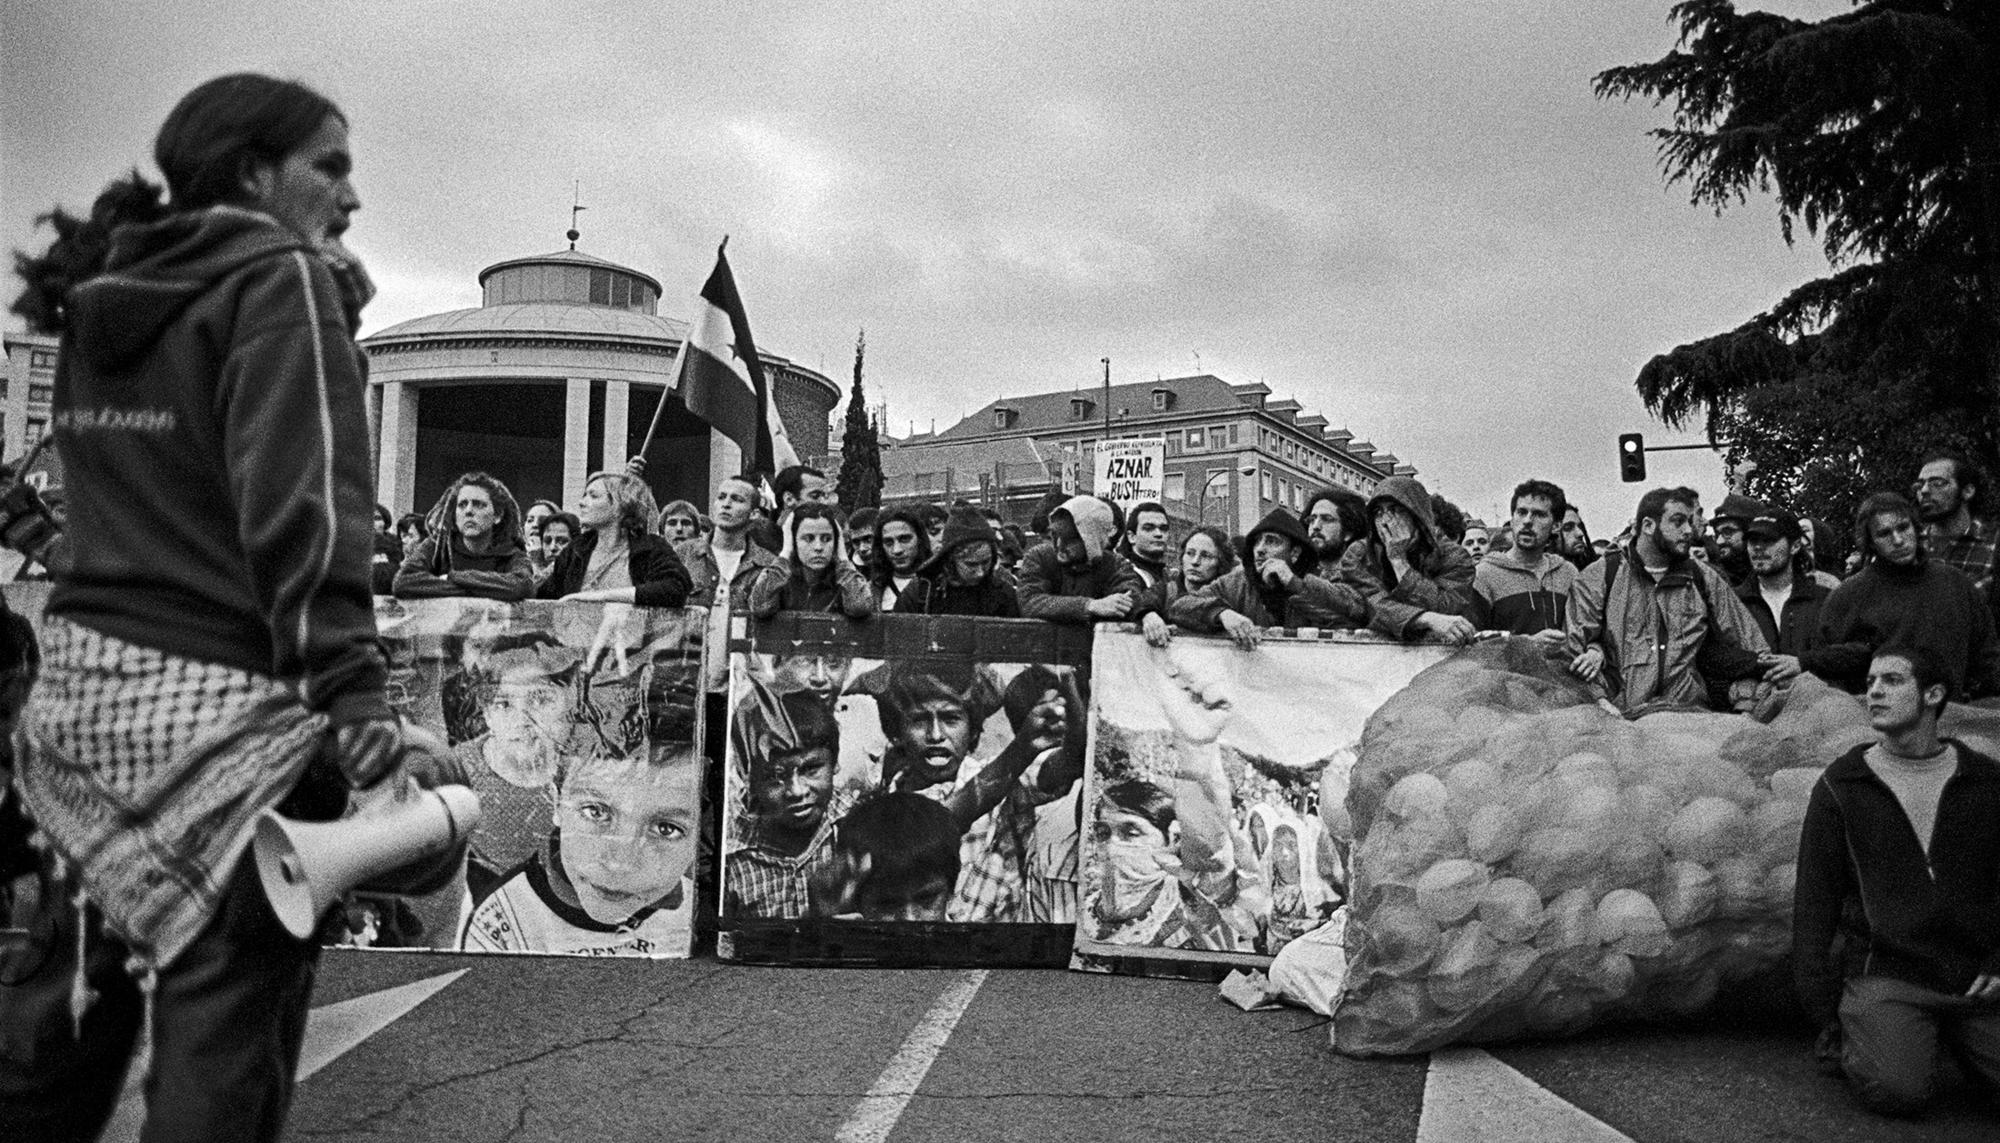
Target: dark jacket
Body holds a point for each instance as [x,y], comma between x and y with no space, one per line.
[1061,594]
[843,591]
[1799,634]
[1930,605]
[659,579]
[1681,638]
[500,572]
[388,557]
[1308,601]
[936,594]
[1440,575]
[1518,598]
[1932,919]
[210,413]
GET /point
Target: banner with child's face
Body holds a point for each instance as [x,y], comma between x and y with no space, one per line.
[902,790]
[577,726]
[1203,836]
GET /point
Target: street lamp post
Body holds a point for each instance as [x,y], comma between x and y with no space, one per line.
[1201,501]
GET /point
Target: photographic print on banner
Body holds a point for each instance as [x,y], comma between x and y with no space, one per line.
[902,790]
[577,725]
[1202,838]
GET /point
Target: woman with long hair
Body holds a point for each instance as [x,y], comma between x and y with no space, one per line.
[819,578]
[1206,556]
[618,559]
[213,637]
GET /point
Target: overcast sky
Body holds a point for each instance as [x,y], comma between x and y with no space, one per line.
[1411,217]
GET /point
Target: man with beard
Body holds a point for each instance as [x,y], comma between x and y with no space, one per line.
[1573,540]
[791,747]
[1648,625]
[933,715]
[1782,596]
[1418,583]
[1076,576]
[1335,518]
[1902,597]
[1148,535]
[1524,589]
[1906,827]
[1732,552]
[1950,503]
[474,547]
[1275,586]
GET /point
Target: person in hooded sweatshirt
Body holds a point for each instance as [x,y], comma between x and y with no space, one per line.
[1276,586]
[1075,576]
[474,547]
[1524,589]
[1417,583]
[963,578]
[209,652]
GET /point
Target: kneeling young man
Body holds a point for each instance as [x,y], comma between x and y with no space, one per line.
[1909,826]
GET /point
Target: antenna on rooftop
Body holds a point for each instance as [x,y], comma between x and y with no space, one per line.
[576,207]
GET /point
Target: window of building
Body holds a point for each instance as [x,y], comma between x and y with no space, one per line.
[1004,418]
[1174,487]
[1197,439]
[1298,498]
[41,393]
[1080,408]
[1265,486]
[36,427]
[1292,450]
[1161,400]
[1232,434]
[42,359]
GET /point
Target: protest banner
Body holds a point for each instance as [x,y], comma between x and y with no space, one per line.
[902,791]
[577,726]
[1203,841]
[1130,471]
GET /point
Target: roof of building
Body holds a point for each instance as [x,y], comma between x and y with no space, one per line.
[966,456]
[572,258]
[1203,393]
[528,319]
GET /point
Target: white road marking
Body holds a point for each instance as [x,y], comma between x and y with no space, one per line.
[1469,1095]
[331,1032]
[875,1116]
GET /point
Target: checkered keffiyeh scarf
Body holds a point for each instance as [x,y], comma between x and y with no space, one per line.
[147,772]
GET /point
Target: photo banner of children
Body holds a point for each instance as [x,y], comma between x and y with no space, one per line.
[903,790]
[577,724]
[1203,844]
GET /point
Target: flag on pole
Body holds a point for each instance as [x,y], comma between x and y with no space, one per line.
[721,379]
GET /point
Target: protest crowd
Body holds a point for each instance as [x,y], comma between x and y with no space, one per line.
[1897,933]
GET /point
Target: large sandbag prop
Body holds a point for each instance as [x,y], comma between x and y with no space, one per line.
[1528,863]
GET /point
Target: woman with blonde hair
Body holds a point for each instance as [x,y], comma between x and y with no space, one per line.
[617,559]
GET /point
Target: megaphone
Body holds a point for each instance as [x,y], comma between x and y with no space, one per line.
[307,866]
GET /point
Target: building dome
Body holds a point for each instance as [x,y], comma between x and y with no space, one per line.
[557,374]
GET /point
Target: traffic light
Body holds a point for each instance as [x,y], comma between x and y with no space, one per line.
[1632,457]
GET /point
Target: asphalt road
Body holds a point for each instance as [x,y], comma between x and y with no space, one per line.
[607,1051]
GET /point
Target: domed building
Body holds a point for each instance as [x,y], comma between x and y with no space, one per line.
[555,375]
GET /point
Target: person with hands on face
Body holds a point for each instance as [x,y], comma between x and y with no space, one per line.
[1076,576]
[1275,586]
[819,578]
[1907,826]
[1418,584]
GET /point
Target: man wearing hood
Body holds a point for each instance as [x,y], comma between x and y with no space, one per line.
[1524,589]
[1417,583]
[963,578]
[1902,597]
[1075,576]
[1651,625]
[1730,527]
[474,547]
[1275,586]
[1335,518]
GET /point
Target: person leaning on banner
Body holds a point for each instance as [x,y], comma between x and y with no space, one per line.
[1274,587]
[1205,557]
[617,559]
[474,547]
[1902,596]
[1418,584]
[1648,624]
[1075,576]
[962,579]
[210,652]
[1907,827]
[818,578]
